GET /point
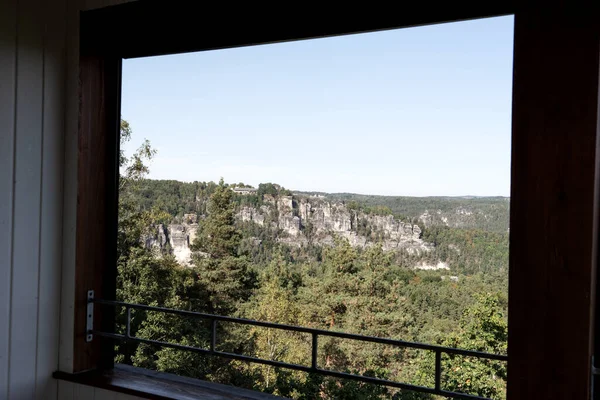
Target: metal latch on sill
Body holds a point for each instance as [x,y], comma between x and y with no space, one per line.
[89,325]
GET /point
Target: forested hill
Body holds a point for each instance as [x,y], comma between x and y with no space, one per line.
[489,214]
[432,270]
[485,213]
[461,234]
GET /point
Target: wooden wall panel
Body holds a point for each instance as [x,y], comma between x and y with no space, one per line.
[71,146]
[91,203]
[8,36]
[51,196]
[553,203]
[27,200]
[96,213]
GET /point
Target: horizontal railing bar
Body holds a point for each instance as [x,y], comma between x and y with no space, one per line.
[334,374]
[373,339]
[205,351]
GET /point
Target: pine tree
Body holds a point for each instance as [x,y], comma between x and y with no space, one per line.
[219,267]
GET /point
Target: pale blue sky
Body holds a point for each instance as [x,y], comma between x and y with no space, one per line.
[416,112]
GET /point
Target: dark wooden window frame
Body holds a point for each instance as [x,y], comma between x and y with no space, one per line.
[554,173]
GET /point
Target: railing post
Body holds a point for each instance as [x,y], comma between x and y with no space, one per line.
[128,332]
[315,349]
[213,335]
[438,369]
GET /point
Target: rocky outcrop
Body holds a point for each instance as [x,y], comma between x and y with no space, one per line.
[300,221]
[316,220]
[175,238]
[181,236]
[432,267]
[157,238]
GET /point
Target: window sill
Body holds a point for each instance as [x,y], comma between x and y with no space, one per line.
[148,384]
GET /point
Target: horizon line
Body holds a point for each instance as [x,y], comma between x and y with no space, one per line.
[303,191]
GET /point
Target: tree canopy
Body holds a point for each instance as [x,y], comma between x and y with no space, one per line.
[246,270]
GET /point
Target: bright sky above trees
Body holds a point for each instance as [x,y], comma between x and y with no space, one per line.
[419,111]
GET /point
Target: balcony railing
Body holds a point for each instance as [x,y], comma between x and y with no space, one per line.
[315,334]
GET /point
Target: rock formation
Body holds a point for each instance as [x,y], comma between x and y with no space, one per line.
[317,220]
[178,236]
[300,221]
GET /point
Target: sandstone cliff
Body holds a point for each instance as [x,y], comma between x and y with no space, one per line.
[311,219]
[175,238]
[299,221]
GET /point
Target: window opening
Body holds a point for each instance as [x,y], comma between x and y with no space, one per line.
[350,194]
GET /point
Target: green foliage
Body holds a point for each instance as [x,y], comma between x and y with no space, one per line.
[341,257]
[469,250]
[217,235]
[272,189]
[483,328]
[485,213]
[353,390]
[368,209]
[219,267]
[243,269]
[275,301]
[173,197]
[125,136]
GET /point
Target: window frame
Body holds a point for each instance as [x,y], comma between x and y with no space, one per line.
[554,171]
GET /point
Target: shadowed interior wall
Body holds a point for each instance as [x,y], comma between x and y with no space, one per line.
[38,142]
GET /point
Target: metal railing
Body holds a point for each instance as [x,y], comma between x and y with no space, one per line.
[315,333]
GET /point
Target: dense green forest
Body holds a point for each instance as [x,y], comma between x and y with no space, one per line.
[486,213]
[338,287]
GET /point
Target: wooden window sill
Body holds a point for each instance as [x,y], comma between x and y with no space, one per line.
[148,384]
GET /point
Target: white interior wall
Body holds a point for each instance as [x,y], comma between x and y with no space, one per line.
[72,391]
[38,169]
[32,93]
